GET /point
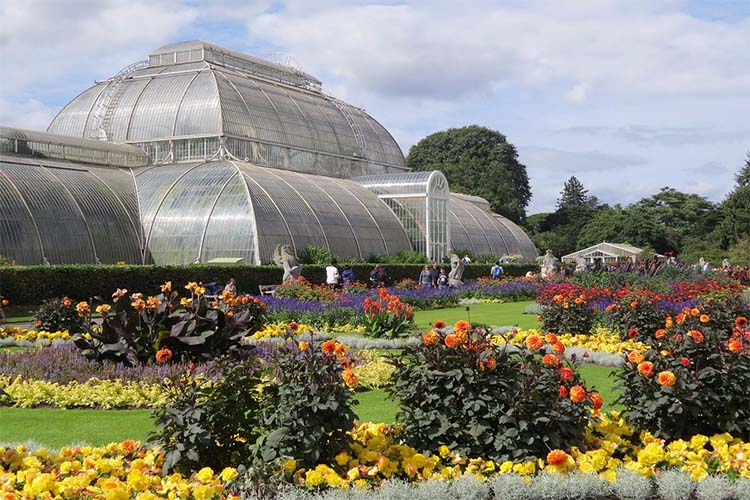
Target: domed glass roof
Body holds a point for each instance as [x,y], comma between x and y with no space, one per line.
[263,112]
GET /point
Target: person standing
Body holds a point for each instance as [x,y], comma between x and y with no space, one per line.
[231,286]
[348,275]
[425,279]
[332,275]
[434,274]
[442,280]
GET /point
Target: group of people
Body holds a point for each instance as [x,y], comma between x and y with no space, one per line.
[433,277]
[346,278]
[216,286]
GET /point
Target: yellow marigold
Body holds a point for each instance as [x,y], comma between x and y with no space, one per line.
[430,338]
[577,394]
[228,474]
[534,342]
[666,378]
[290,465]
[103,309]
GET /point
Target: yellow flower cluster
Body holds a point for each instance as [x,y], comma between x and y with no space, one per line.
[22,334]
[94,393]
[119,471]
[348,328]
[280,330]
[601,340]
[610,444]
[375,373]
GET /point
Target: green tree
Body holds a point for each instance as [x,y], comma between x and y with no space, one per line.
[743,176]
[735,216]
[575,196]
[479,161]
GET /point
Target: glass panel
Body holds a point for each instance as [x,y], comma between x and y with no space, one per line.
[155,112]
[72,118]
[199,112]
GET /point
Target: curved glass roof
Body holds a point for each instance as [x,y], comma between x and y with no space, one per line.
[204,94]
[484,232]
[200,211]
[61,212]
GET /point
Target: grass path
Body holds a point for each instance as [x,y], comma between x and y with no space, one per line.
[506,314]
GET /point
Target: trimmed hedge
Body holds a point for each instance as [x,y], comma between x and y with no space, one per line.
[33,284]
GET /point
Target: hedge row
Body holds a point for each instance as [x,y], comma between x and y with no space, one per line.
[33,284]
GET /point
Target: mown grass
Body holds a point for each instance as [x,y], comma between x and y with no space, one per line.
[505,314]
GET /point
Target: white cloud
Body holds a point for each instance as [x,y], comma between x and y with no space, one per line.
[46,43]
[31,114]
[432,49]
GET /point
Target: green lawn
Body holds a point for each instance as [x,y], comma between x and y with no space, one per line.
[374,406]
[17,314]
[506,314]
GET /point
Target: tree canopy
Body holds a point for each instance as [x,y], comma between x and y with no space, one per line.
[479,161]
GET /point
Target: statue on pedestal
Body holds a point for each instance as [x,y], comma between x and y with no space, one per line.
[283,255]
[457,270]
[550,265]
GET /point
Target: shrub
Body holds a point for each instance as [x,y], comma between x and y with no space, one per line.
[406,284]
[485,400]
[313,254]
[210,424]
[307,405]
[302,290]
[402,257]
[637,315]
[386,316]
[141,328]
[693,380]
[568,309]
[58,315]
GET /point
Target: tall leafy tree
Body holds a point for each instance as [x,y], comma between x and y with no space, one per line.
[480,161]
[743,176]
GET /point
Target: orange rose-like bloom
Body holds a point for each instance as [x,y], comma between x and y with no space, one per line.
[550,338]
[452,341]
[563,391]
[558,347]
[303,346]
[661,332]
[704,318]
[462,326]
[340,349]
[430,338]
[566,374]
[328,346]
[534,342]
[577,394]
[666,379]
[557,457]
[439,324]
[740,322]
[635,357]
[646,368]
[83,308]
[596,400]
[349,377]
[550,360]
[696,336]
[734,346]
[163,355]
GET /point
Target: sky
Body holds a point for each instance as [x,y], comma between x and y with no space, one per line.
[629,96]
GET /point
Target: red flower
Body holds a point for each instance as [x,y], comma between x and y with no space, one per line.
[566,374]
[439,324]
[563,391]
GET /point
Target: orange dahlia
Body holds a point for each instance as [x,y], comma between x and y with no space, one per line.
[696,336]
[666,379]
[577,394]
[550,360]
[452,341]
[349,377]
[558,347]
[430,338]
[635,357]
[462,326]
[646,368]
[328,346]
[557,457]
[661,332]
[596,400]
[550,338]
[303,346]
[563,391]
[734,346]
[566,374]
[163,355]
[534,342]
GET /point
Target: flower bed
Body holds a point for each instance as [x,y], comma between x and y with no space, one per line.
[15,336]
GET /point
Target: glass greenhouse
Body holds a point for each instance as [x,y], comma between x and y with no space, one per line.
[202,152]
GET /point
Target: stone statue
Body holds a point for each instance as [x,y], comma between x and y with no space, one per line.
[284,256]
[550,265]
[457,270]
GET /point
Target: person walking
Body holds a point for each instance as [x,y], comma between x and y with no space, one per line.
[425,279]
[434,274]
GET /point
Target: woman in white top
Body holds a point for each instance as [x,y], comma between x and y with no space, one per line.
[332,275]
